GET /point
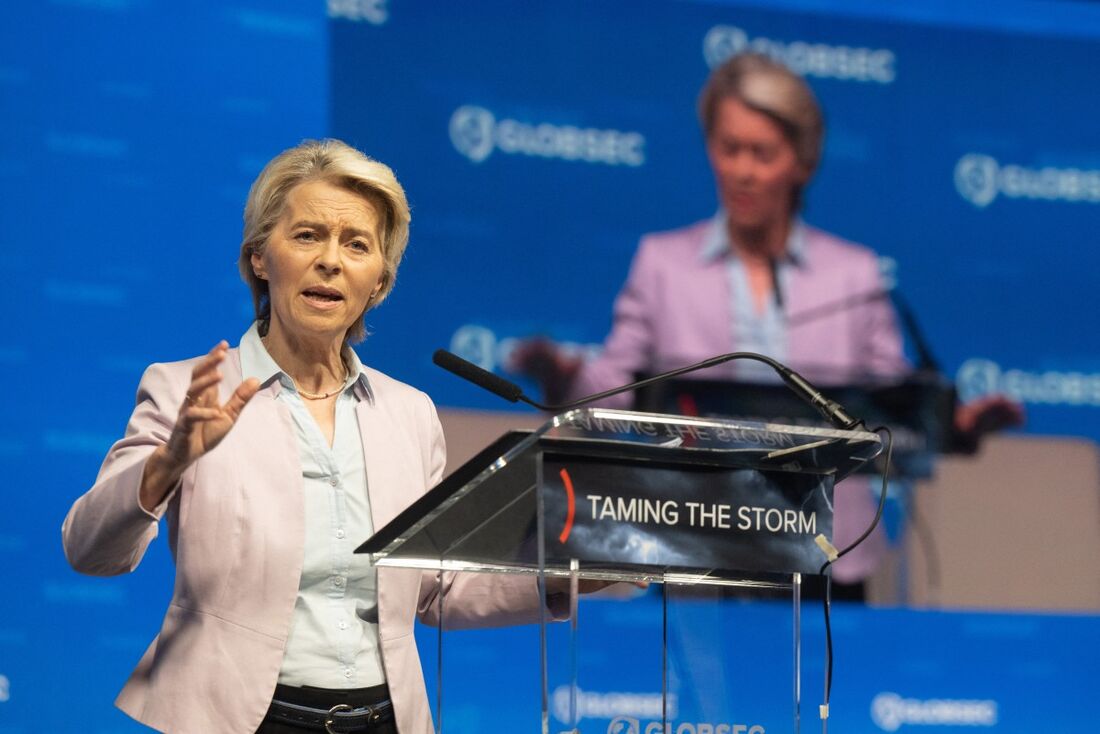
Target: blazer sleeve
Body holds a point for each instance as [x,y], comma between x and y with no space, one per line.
[471,599]
[107,530]
[628,349]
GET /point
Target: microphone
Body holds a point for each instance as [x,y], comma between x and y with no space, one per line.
[470,372]
[926,360]
[840,305]
[777,289]
[830,409]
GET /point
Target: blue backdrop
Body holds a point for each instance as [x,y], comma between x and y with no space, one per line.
[540,141]
[537,143]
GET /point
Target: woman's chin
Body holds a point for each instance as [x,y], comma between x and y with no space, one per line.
[313,326]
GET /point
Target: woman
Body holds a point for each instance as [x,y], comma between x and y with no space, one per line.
[270,463]
[726,283]
[740,281]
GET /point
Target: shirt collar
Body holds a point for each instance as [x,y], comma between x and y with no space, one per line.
[257,362]
[716,241]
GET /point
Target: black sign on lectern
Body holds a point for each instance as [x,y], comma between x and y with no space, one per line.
[628,495]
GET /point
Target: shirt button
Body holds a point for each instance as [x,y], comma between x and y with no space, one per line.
[338,581]
[333,481]
[340,533]
[343,625]
[347,672]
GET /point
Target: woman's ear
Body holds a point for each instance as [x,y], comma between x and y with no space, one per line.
[258,265]
[380,286]
[806,173]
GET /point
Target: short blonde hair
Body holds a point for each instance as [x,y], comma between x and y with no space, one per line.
[767,86]
[341,165]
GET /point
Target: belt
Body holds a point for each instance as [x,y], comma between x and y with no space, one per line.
[336,720]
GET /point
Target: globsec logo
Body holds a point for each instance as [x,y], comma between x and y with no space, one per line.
[471,132]
[976,178]
[723,42]
[979,377]
[890,712]
[636,713]
[628,725]
[619,706]
[479,345]
[846,63]
[980,179]
[476,132]
[624,725]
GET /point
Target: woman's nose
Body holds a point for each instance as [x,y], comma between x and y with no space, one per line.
[742,166]
[329,257]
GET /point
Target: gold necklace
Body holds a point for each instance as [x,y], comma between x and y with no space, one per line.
[323,396]
[313,395]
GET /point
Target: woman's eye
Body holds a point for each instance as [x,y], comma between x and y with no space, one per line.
[305,236]
[360,245]
[766,154]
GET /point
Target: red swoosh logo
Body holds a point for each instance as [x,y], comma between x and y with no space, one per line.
[571,506]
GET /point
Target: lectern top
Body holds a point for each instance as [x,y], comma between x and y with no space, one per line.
[483,516]
[737,442]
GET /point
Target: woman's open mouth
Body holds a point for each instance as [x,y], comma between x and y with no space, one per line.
[323,296]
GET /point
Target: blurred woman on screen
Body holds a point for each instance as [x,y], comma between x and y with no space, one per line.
[732,283]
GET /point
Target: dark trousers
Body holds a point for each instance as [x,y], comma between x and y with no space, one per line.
[324,698]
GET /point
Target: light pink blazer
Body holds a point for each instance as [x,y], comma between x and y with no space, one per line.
[235,527]
[675,309]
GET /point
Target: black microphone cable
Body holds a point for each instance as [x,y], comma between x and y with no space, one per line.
[777,287]
[826,597]
[510,391]
[925,539]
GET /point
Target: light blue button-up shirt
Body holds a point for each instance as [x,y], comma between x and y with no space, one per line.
[764,333]
[333,640]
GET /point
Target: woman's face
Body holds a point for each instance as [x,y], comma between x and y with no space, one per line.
[755,166]
[323,261]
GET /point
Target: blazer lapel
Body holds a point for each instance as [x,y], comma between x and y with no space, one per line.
[384,473]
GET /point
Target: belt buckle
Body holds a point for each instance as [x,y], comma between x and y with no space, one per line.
[330,719]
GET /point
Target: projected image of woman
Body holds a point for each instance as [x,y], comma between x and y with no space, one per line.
[270,463]
[731,282]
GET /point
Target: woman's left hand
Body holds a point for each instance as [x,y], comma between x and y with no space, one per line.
[988,414]
[980,417]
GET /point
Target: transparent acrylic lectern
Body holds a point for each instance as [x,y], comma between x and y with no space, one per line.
[712,524]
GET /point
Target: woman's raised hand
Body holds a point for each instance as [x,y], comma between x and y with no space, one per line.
[201,425]
[203,422]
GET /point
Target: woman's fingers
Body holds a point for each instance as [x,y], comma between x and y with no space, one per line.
[196,393]
[194,411]
[198,414]
[210,360]
[216,354]
[202,422]
[205,376]
[240,397]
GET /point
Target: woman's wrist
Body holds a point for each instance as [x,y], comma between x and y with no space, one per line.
[161,474]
